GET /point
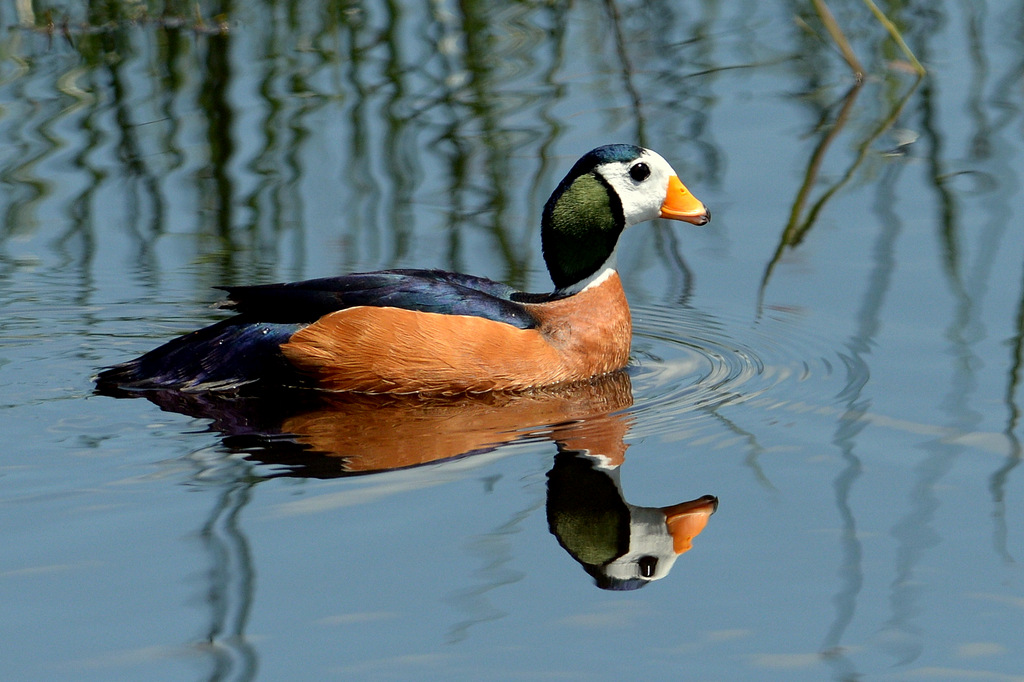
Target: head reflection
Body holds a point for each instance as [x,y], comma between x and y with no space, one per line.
[622,546]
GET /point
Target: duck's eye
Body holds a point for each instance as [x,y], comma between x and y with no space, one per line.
[639,171]
[648,565]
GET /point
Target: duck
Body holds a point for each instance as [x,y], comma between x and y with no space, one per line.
[433,332]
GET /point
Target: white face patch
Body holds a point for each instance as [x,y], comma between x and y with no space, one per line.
[641,194]
[649,538]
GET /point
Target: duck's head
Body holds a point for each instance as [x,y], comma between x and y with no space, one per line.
[609,189]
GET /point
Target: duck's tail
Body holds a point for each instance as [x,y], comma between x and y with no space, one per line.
[222,357]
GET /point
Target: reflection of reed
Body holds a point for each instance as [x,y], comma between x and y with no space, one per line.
[105,125]
[627,72]
[274,200]
[129,147]
[969,283]
[986,142]
[800,220]
[232,587]
[423,90]
[839,38]
[494,552]
[915,531]
[25,188]
[849,426]
[216,190]
[1000,477]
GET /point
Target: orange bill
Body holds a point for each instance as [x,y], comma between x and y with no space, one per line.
[680,204]
[686,521]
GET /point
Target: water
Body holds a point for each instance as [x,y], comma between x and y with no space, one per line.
[836,357]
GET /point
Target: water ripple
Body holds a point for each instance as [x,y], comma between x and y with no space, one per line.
[690,362]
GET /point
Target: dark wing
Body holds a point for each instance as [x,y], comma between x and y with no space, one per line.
[246,348]
[224,356]
[429,291]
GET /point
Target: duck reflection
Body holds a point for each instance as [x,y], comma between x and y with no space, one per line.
[315,434]
[318,435]
[622,546]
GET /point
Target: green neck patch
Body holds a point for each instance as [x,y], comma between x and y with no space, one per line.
[580,227]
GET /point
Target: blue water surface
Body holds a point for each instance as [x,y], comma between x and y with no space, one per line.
[836,357]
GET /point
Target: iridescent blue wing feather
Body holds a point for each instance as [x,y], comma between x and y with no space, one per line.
[428,291]
[224,356]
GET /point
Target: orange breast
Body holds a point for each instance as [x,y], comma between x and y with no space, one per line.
[391,350]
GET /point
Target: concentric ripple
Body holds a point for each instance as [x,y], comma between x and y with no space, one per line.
[689,363]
